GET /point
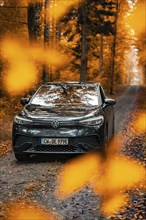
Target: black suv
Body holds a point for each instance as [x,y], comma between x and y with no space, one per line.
[63,118]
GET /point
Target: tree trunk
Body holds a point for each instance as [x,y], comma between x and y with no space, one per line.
[50,39]
[46,74]
[101,54]
[46,25]
[114,50]
[38,29]
[83,73]
[34,20]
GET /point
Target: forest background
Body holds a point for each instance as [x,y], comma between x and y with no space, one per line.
[53,40]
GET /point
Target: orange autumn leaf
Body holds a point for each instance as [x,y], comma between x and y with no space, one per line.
[27,211]
[114,203]
[77,174]
[107,178]
[22,73]
[139,125]
[119,173]
[58,8]
[137,19]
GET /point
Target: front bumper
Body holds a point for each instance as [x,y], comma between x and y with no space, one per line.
[81,140]
[76,145]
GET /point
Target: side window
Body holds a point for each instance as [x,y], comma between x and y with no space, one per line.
[102,94]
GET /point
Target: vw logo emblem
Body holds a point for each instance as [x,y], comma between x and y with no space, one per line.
[55,124]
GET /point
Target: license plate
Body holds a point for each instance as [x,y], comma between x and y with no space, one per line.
[54,141]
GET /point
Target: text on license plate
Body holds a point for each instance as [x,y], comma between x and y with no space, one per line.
[54,141]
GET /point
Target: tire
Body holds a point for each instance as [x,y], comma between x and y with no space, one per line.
[106,136]
[105,143]
[22,157]
[113,131]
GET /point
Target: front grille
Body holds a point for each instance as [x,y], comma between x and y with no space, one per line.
[55,149]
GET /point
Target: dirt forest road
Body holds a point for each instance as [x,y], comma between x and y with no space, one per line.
[36,180]
[124,105]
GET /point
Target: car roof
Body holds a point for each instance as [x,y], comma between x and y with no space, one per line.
[72,83]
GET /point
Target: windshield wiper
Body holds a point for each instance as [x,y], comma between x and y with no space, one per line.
[64,89]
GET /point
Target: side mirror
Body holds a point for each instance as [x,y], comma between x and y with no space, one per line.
[108,102]
[24,101]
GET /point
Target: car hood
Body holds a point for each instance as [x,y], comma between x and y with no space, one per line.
[64,113]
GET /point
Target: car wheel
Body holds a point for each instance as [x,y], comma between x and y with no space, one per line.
[105,143]
[22,157]
[113,131]
[106,136]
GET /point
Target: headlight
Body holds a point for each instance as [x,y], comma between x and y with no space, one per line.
[22,121]
[93,121]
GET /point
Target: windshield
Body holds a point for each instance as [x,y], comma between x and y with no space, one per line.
[66,95]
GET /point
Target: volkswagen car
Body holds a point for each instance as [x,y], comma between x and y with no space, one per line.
[63,118]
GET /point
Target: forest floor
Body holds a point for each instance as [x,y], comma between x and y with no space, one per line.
[35,180]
